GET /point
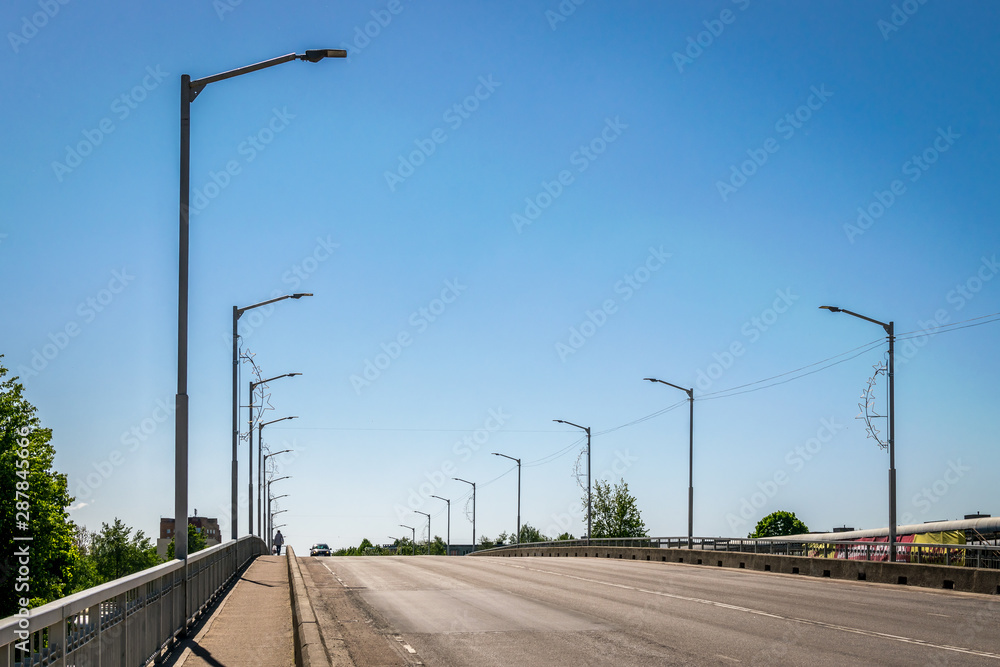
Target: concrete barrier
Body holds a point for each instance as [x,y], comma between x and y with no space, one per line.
[309,649]
[969,579]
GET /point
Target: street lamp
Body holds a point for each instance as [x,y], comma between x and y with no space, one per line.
[690,393]
[518,461]
[254,385]
[260,491]
[457,479]
[590,504]
[270,517]
[413,540]
[269,495]
[189,91]
[261,459]
[449,520]
[428,530]
[237,313]
[891,331]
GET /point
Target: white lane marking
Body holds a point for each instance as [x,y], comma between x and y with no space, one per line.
[409,648]
[941,615]
[334,575]
[726,657]
[757,612]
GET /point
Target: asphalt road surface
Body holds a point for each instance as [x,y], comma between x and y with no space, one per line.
[435,610]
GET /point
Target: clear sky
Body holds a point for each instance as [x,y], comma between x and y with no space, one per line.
[510,213]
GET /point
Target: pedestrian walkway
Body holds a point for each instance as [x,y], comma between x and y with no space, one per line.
[252,626]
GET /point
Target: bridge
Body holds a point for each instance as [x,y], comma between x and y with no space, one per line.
[622,602]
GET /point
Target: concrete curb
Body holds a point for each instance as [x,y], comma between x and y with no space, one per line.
[968,579]
[309,649]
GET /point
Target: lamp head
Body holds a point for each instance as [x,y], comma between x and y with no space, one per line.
[315,55]
[301,294]
[832,309]
[650,379]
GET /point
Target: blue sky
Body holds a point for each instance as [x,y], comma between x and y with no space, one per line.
[680,185]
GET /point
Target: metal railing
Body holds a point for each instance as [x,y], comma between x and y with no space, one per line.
[967,555]
[128,621]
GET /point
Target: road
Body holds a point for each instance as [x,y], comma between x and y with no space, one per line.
[578,611]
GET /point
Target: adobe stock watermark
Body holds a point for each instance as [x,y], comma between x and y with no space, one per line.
[31,25]
[562,12]
[786,127]
[696,44]
[958,297]
[295,277]
[931,494]
[914,169]
[248,150]
[464,449]
[751,330]
[363,35]
[223,7]
[21,505]
[899,17]
[795,461]
[419,321]
[87,311]
[454,116]
[121,108]
[594,320]
[131,440]
[581,159]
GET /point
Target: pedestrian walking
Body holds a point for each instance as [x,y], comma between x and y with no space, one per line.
[278,541]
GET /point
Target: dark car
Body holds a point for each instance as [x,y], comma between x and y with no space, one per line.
[320,549]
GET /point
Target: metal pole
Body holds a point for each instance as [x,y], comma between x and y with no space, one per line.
[691,471]
[519,501]
[449,527]
[892,445]
[250,466]
[590,504]
[236,427]
[473,516]
[181,401]
[260,473]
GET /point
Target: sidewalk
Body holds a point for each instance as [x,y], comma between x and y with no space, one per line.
[252,626]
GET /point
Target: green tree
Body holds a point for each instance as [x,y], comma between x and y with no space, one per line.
[566,536]
[616,513]
[196,542]
[85,573]
[118,553]
[33,503]
[438,547]
[531,534]
[779,523]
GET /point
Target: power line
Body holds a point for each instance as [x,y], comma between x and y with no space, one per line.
[947,328]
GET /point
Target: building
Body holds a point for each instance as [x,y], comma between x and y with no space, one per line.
[207,526]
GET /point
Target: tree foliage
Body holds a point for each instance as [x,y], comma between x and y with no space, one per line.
[44,499]
[116,552]
[196,542]
[530,534]
[616,513]
[565,536]
[779,523]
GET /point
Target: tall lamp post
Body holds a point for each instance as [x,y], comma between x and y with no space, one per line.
[428,530]
[590,503]
[260,491]
[269,495]
[270,517]
[189,91]
[237,313]
[457,479]
[690,394]
[261,460]
[890,329]
[518,462]
[253,386]
[413,539]
[449,521]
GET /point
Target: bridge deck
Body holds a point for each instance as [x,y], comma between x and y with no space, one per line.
[252,626]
